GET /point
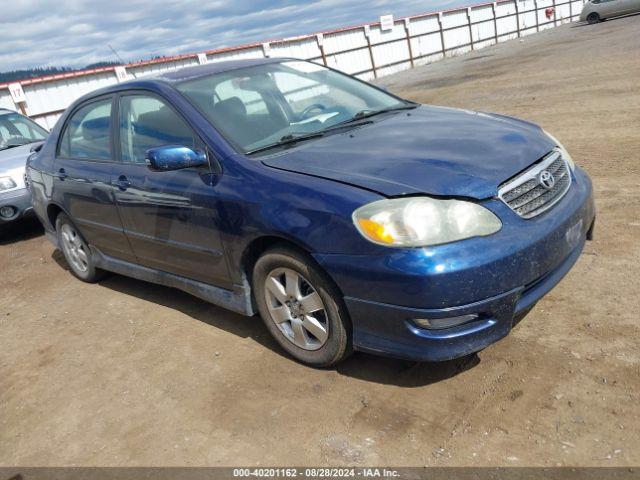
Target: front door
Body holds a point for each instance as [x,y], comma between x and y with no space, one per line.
[82,178]
[170,218]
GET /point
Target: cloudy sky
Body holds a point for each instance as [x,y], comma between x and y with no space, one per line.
[77,32]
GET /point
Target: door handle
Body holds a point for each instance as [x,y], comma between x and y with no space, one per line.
[62,174]
[121,183]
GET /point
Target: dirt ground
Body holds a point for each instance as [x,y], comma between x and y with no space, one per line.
[127,373]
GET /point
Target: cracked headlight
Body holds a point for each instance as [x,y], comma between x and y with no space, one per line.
[423,221]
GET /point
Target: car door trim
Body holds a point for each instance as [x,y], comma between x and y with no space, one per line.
[181,245]
[81,221]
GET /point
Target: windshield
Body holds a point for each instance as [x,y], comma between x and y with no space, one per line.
[258,106]
[16,130]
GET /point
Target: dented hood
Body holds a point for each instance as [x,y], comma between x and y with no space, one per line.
[432,150]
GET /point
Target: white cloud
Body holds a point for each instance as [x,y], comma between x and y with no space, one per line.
[77,32]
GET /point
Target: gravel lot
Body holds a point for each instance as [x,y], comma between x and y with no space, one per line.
[127,373]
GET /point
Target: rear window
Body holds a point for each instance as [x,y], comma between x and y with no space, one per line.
[16,129]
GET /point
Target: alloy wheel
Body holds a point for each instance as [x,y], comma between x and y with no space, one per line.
[296,308]
[74,248]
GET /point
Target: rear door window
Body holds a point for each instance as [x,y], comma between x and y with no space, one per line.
[87,133]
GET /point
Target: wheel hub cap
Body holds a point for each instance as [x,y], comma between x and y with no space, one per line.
[295,308]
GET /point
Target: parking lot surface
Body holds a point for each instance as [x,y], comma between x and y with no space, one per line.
[128,373]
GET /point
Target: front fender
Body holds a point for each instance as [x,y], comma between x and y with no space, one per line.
[257,201]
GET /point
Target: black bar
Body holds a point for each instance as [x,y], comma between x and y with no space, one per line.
[495,22]
[373,63]
[319,473]
[408,35]
[441,30]
[471,24]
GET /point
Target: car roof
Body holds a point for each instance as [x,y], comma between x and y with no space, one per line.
[187,73]
[190,73]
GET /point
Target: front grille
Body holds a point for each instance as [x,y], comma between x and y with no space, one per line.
[538,188]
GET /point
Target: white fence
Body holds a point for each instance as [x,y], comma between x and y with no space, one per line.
[367,51]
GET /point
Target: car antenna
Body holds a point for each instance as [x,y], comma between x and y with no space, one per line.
[119,58]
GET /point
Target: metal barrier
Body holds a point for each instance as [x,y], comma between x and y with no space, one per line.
[367,51]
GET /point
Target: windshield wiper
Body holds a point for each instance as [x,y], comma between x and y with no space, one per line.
[362,114]
[13,145]
[288,140]
[370,113]
[349,123]
[296,137]
[7,147]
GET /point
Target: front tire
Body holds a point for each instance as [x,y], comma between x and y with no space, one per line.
[593,18]
[301,307]
[76,251]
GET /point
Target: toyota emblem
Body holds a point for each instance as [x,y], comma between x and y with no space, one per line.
[546,179]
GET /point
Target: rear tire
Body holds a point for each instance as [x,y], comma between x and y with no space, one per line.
[301,307]
[593,18]
[76,251]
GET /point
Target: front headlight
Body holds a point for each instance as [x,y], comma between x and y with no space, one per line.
[563,151]
[7,183]
[423,221]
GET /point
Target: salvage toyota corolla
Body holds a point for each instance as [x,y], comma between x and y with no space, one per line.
[348,217]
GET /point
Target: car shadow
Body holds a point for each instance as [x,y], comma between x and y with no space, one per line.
[20,230]
[363,366]
[607,20]
[403,373]
[58,257]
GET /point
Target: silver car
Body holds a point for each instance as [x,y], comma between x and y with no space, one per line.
[18,135]
[596,10]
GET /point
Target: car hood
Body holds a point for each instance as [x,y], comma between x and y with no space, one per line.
[13,162]
[15,157]
[432,150]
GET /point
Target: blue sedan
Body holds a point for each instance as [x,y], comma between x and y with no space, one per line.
[347,217]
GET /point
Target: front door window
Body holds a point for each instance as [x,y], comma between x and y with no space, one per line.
[147,122]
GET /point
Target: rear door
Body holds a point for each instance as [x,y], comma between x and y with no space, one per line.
[171,218]
[82,177]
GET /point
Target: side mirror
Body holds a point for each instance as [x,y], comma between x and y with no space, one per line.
[174,157]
